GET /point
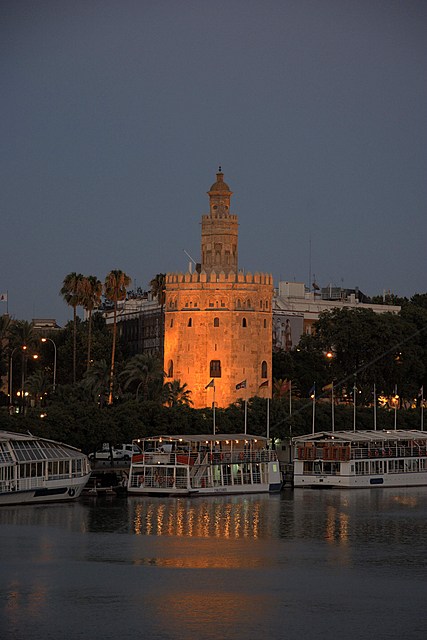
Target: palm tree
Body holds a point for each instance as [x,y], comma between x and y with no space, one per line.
[115,290]
[158,290]
[71,291]
[143,371]
[96,381]
[91,291]
[177,394]
[39,385]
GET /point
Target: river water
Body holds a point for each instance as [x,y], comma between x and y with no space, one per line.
[301,565]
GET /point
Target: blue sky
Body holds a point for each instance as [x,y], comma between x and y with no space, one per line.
[116,115]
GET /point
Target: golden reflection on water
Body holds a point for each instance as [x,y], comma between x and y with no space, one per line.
[232,519]
[192,613]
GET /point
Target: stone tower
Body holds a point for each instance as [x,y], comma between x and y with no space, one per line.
[218,320]
[219,230]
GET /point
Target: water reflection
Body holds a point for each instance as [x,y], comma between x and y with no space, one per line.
[227,518]
[220,567]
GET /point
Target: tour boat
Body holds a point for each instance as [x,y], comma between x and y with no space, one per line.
[34,469]
[352,459]
[204,465]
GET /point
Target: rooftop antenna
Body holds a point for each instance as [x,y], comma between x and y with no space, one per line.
[190,266]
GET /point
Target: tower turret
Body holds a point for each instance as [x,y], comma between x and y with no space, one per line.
[219,230]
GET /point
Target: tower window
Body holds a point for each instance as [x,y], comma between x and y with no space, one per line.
[263,369]
[215,369]
[244,322]
[171,322]
[265,323]
[170,369]
[190,322]
[216,322]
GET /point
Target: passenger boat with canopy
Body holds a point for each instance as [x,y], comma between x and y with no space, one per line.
[34,469]
[204,465]
[352,459]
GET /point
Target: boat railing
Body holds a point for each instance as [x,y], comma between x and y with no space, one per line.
[204,457]
[344,453]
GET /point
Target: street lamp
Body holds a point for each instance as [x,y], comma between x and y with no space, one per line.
[54,360]
[11,374]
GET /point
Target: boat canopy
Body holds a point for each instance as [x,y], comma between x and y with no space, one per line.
[384,435]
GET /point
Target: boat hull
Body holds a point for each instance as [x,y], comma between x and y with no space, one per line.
[54,491]
[360,482]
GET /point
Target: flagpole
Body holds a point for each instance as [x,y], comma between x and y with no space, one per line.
[354,406]
[395,406]
[246,415]
[268,420]
[333,408]
[314,407]
[213,413]
[422,408]
[290,397]
[375,408]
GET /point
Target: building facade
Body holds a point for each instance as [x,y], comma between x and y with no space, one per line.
[295,309]
[218,320]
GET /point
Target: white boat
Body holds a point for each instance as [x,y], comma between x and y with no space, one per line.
[204,465]
[353,459]
[34,469]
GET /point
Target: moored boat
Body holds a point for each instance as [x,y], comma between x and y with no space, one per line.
[356,459]
[204,465]
[34,469]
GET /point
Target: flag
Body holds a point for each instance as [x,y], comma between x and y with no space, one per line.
[312,391]
[264,384]
[328,387]
[241,385]
[421,393]
[285,386]
[3,297]
[211,384]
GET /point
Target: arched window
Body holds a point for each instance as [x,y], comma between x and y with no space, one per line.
[244,323]
[265,323]
[170,369]
[190,322]
[263,369]
[215,369]
[216,322]
[171,322]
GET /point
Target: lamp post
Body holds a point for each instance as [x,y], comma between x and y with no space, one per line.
[11,375]
[54,360]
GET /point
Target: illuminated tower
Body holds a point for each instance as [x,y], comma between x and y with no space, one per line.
[218,320]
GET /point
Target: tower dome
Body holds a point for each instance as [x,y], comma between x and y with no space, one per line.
[220,187]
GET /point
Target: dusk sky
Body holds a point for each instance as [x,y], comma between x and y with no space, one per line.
[115,115]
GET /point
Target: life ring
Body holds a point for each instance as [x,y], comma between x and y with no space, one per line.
[377,453]
[71,492]
[369,454]
[390,453]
